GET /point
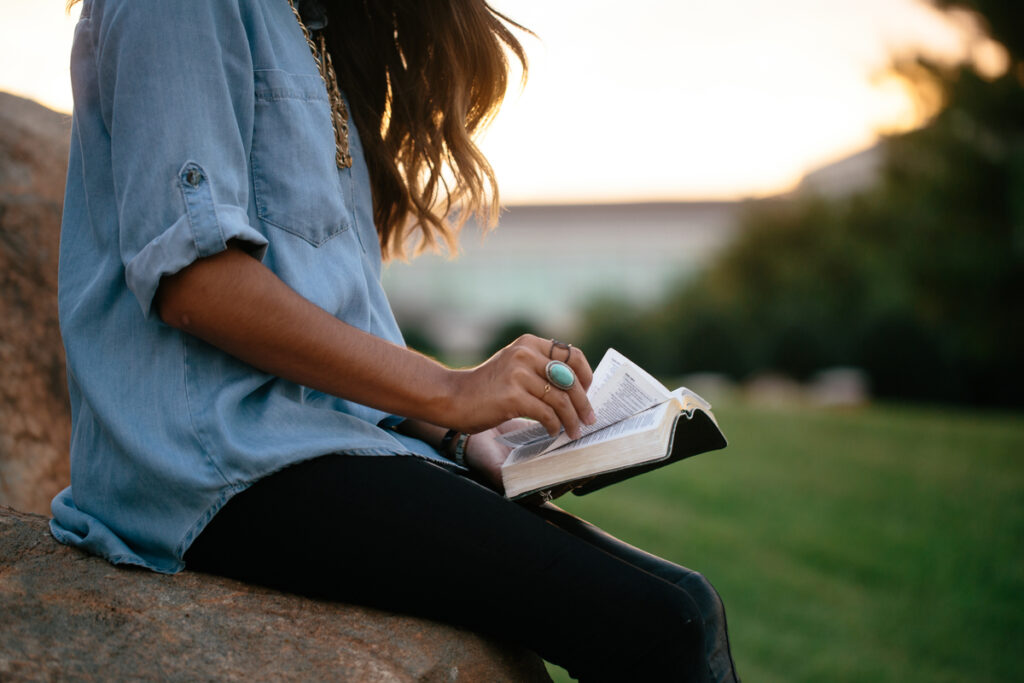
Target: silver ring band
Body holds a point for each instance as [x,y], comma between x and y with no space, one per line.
[555,344]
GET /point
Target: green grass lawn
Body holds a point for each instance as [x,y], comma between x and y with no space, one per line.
[883,544]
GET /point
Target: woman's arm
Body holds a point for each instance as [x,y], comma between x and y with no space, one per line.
[233,301]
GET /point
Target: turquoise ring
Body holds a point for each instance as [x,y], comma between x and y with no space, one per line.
[560,374]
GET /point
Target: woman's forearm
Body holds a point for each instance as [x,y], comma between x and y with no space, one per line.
[234,302]
[237,304]
[424,431]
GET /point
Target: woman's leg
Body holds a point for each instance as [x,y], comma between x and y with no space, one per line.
[407,535]
[699,588]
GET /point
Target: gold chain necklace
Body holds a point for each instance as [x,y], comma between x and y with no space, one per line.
[339,114]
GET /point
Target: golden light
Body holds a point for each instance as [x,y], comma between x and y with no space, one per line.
[657,100]
[718,100]
[35,44]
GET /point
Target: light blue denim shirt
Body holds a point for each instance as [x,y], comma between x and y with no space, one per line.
[197,122]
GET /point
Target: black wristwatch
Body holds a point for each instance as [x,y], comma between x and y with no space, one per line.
[458,453]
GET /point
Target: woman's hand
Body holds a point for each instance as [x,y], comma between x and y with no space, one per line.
[513,383]
[485,455]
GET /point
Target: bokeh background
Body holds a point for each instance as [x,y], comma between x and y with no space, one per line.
[812,212]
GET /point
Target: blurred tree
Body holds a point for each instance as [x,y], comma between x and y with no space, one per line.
[417,335]
[418,339]
[614,322]
[508,331]
[1001,19]
[919,280]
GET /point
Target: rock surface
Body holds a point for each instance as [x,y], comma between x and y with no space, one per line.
[65,615]
[34,420]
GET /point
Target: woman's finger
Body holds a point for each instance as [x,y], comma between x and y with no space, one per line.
[537,408]
[574,396]
[563,405]
[573,356]
[578,362]
[557,403]
[581,404]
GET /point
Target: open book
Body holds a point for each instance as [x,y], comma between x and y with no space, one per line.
[640,426]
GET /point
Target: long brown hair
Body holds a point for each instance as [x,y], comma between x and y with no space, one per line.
[423,77]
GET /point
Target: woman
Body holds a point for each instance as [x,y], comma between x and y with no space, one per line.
[241,399]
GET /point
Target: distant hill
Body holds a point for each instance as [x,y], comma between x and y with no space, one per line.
[544,262]
[847,176]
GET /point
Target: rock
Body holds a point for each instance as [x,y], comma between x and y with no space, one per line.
[34,419]
[65,615]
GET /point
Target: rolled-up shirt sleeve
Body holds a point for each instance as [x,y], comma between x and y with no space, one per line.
[178,105]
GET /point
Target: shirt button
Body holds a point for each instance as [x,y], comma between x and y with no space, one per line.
[193,177]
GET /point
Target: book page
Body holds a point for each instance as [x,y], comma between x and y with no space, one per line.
[610,362]
[620,389]
[640,422]
[690,400]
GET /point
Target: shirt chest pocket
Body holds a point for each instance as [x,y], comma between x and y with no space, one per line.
[296,182]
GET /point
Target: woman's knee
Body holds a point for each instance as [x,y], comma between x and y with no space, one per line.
[704,595]
[668,638]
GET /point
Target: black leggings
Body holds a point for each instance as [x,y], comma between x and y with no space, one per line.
[404,534]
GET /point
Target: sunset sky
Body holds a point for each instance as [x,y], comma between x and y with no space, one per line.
[652,99]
